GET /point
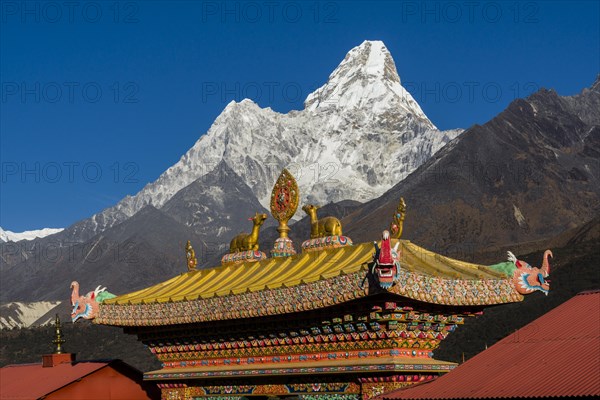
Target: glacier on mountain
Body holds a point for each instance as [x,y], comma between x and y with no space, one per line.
[9,236]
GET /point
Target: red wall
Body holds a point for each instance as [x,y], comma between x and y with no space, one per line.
[106,384]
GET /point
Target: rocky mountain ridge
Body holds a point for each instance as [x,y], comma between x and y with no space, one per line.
[531,172]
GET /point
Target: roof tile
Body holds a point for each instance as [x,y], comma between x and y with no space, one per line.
[556,355]
[32,381]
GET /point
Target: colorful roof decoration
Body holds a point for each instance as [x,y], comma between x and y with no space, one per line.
[304,282]
[541,360]
[389,363]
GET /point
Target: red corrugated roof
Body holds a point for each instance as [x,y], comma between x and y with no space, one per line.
[32,381]
[556,355]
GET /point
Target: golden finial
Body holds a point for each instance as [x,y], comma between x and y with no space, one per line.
[58,339]
[284,201]
[191,256]
[398,220]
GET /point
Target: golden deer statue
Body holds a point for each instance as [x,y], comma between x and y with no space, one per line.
[328,226]
[248,241]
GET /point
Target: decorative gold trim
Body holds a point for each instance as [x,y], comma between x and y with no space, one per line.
[398,220]
[190,254]
[58,338]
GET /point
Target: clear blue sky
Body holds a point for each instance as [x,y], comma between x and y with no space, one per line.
[98,99]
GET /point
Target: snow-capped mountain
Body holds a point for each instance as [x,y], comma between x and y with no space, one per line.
[8,236]
[25,314]
[358,135]
[366,79]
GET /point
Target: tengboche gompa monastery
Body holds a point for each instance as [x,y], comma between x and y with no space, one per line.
[338,320]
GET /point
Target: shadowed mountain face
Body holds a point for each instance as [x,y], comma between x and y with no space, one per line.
[529,173]
[143,250]
[123,258]
[217,207]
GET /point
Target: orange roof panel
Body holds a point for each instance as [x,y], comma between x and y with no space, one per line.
[32,381]
[557,355]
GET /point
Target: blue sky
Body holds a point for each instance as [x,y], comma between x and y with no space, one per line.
[99,98]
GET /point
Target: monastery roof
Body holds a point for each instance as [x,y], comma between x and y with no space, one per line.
[305,268]
[303,282]
[556,355]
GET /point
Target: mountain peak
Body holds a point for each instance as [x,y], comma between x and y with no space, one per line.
[374,60]
[365,79]
[234,105]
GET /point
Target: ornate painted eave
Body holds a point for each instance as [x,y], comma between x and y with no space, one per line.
[388,362]
[305,282]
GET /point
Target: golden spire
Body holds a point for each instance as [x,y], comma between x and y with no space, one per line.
[58,339]
[284,201]
[398,220]
[190,254]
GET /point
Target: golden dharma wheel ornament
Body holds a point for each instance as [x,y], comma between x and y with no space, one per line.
[284,201]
